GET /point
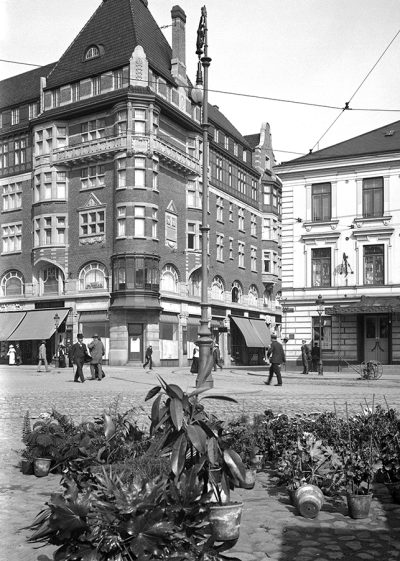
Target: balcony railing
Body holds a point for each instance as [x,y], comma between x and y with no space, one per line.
[98,149]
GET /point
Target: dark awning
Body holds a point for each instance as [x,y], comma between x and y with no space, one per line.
[262,330]
[9,322]
[38,324]
[250,334]
[367,305]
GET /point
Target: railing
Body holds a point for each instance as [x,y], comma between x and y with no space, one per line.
[89,150]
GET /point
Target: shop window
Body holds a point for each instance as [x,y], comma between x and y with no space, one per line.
[322,325]
[374,264]
[321,267]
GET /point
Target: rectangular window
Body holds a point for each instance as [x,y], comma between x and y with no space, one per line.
[171,230]
[253,227]
[242,182]
[244,155]
[139,121]
[15,116]
[91,223]
[93,176]
[218,168]
[253,259]
[140,172]
[121,121]
[321,267]
[372,197]
[193,236]
[220,209]
[155,174]
[61,185]
[241,219]
[266,228]
[230,248]
[60,230]
[121,172]
[216,135]
[11,237]
[254,185]
[229,175]
[33,110]
[241,254]
[121,221]
[154,224]
[49,230]
[139,222]
[194,194]
[267,263]
[226,142]
[93,130]
[374,271]
[220,247]
[235,149]
[321,202]
[322,325]
[12,196]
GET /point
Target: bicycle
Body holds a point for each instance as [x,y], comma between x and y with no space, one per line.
[368,370]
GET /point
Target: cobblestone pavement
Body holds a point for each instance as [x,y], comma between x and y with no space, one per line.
[271,529]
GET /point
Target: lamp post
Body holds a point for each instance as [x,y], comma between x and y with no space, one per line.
[56,324]
[320,309]
[204,341]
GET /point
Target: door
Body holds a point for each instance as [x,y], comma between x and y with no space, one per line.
[135,342]
[376,343]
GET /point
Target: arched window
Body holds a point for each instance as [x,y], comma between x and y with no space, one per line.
[93,277]
[169,279]
[253,295]
[92,52]
[195,283]
[217,288]
[12,284]
[237,292]
[53,280]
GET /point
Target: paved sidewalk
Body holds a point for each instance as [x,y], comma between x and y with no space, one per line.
[271,528]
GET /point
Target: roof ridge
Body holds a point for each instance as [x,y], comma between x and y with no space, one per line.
[76,37]
[133,25]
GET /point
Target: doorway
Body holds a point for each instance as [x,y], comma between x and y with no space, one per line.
[376,341]
[135,343]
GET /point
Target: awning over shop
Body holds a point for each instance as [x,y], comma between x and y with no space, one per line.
[262,330]
[9,321]
[38,324]
[252,336]
[367,305]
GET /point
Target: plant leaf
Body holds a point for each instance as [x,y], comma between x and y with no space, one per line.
[154,391]
[174,391]
[197,437]
[178,455]
[176,411]
[235,465]
[221,397]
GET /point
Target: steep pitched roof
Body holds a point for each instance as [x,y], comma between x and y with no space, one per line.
[383,139]
[118,26]
[219,119]
[23,87]
[253,139]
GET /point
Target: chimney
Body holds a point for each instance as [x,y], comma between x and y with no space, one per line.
[178,61]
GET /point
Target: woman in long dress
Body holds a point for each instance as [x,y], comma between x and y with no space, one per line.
[11,355]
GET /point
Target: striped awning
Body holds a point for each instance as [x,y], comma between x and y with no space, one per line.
[38,324]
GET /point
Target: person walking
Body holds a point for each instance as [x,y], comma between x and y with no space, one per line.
[149,358]
[276,356]
[97,351]
[216,357]
[315,354]
[194,368]
[43,357]
[11,355]
[305,356]
[18,355]
[78,354]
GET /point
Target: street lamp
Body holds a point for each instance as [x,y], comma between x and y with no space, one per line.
[56,325]
[320,309]
[204,341]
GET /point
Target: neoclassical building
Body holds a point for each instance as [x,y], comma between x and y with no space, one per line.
[101,207]
[341,241]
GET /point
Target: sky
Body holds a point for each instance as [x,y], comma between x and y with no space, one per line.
[314,51]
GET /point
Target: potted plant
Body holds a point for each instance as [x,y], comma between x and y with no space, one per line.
[43,444]
[389,450]
[191,436]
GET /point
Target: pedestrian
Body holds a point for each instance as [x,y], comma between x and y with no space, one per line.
[194,368]
[148,357]
[18,355]
[216,357]
[79,355]
[315,355]
[61,356]
[11,355]
[97,351]
[43,357]
[305,356]
[276,356]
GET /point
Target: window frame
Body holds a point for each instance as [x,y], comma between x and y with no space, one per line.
[320,260]
[321,202]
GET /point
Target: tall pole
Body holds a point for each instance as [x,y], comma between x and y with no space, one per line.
[204,341]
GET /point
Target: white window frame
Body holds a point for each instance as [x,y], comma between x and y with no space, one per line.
[12,196]
[95,224]
[241,250]
[11,238]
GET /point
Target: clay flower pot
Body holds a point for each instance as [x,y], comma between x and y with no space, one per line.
[359,505]
[225,521]
[309,500]
[41,466]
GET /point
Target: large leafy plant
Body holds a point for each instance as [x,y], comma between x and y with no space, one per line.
[192,436]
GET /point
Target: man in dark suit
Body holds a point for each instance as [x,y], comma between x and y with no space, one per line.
[276,356]
[78,353]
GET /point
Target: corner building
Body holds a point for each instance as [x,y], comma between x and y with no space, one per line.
[101,181]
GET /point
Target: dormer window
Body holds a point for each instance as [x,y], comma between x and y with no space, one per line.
[92,52]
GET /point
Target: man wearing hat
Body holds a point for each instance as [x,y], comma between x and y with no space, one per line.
[305,356]
[78,353]
[43,357]
[276,356]
[216,356]
[97,351]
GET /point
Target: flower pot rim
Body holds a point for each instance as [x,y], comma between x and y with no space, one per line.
[226,505]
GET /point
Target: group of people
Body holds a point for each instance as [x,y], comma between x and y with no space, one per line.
[310,358]
[216,354]
[14,355]
[79,355]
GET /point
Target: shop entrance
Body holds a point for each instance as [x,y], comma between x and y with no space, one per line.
[376,340]
[135,343]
